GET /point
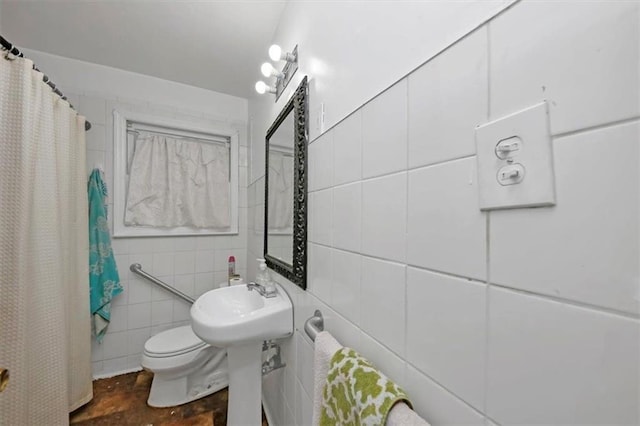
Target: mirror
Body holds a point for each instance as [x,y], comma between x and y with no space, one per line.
[285,215]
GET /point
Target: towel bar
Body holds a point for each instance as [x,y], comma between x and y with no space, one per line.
[136,268]
[314,325]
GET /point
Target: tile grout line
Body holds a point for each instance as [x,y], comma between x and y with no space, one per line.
[446,389]
[406,231]
[487,249]
[464,157]
[397,172]
[487,307]
[404,358]
[450,45]
[575,303]
[602,126]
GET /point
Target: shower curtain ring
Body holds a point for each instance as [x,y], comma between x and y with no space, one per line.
[9,56]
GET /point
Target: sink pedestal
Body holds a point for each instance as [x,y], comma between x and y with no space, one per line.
[245,385]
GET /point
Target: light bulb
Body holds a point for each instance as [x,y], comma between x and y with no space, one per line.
[275,52]
[267,69]
[261,87]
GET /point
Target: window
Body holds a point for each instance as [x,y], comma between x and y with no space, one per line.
[173,177]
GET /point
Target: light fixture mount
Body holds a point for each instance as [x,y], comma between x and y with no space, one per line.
[288,71]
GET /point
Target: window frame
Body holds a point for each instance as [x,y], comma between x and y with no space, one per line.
[120,119]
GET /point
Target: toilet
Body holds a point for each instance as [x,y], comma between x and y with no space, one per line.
[185,368]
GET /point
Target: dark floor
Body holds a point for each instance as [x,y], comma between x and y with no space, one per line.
[122,400]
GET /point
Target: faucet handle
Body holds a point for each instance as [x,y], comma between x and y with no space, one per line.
[270,288]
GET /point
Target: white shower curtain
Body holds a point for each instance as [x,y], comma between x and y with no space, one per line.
[45,335]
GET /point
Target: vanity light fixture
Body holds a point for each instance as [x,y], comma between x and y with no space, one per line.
[269,71]
[282,77]
[276,54]
[262,88]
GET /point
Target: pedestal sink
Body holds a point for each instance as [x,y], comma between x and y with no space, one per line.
[239,320]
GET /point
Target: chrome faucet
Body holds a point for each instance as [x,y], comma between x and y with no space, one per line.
[265,291]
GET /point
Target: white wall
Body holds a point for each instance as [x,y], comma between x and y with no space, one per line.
[191,264]
[116,83]
[351,50]
[519,316]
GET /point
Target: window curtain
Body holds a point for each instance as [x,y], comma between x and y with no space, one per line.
[178,182]
[45,328]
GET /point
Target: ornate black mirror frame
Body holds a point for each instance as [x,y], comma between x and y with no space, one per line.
[297,271]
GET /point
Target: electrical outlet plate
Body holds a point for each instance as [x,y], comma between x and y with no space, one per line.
[515,161]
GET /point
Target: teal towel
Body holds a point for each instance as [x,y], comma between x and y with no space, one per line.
[104,281]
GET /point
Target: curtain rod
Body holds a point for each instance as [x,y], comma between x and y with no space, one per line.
[134,127]
[10,48]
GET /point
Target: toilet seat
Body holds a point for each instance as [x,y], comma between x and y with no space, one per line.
[173,342]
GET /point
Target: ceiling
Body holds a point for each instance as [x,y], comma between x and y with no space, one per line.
[216,45]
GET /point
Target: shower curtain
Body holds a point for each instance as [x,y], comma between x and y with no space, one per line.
[45,335]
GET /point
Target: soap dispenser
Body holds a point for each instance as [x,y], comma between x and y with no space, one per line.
[262,277]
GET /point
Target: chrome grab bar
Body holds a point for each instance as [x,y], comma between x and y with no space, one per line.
[314,325]
[136,268]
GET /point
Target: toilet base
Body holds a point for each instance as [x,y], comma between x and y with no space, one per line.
[169,392]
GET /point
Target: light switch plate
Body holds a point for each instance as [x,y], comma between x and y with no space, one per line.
[520,174]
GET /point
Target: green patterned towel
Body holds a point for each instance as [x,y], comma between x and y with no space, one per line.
[104,281]
[356,393]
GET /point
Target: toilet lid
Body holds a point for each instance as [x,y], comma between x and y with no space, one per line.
[173,342]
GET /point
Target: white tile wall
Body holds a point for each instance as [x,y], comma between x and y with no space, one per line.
[384,216]
[320,272]
[389,363]
[347,150]
[192,264]
[384,132]
[303,409]
[321,216]
[347,332]
[594,227]
[184,262]
[347,216]
[446,231]
[383,302]
[577,55]
[346,284]
[526,316]
[446,335]
[447,99]
[304,364]
[553,363]
[185,284]
[161,312]
[436,404]
[321,162]
[290,378]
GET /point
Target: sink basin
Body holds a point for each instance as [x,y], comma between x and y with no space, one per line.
[239,320]
[231,316]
